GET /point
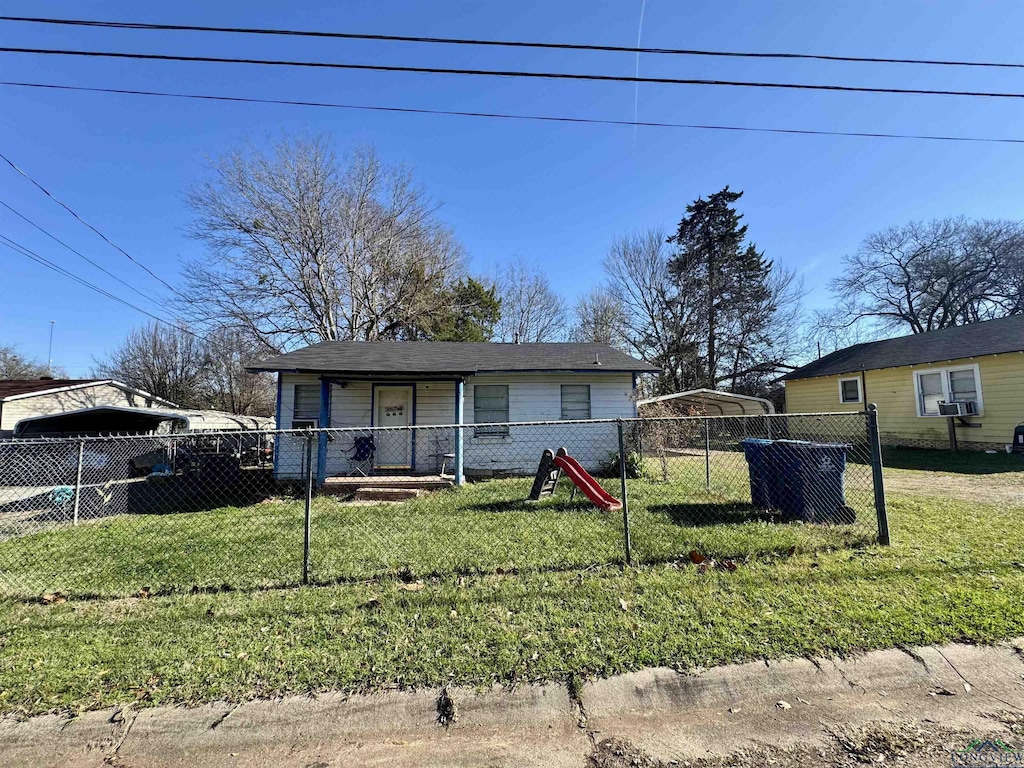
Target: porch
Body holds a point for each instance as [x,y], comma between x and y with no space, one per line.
[375,413]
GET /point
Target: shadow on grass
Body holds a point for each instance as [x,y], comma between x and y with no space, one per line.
[699,515]
[962,462]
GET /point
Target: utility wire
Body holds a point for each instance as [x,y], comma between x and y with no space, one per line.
[30,254]
[81,255]
[43,261]
[511,116]
[501,73]
[128,25]
[67,208]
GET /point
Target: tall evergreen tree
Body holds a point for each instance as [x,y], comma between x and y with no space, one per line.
[472,311]
[728,284]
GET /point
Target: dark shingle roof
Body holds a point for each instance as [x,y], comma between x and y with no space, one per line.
[992,337]
[444,357]
[10,387]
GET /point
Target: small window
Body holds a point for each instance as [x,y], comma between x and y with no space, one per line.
[849,391]
[930,393]
[575,402]
[306,409]
[490,404]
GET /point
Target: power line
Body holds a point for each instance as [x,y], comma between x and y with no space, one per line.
[81,255]
[129,25]
[43,261]
[512,116]
[67,208]
[30,254]
[503,73]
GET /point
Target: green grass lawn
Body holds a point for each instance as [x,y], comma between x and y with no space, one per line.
[954,572]
[485,527]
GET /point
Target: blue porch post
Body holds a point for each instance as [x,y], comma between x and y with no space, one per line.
[460,404]
[324,421]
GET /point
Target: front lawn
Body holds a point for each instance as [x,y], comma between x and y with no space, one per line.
[954,572]
[485,527]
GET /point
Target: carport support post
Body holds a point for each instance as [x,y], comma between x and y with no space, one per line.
[625,500]
[78,479]
[875,444]
[309,505]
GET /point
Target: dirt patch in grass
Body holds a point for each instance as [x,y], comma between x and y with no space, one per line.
[1004,489]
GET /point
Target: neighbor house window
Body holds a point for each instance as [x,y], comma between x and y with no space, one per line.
[849,390]
[490,404]
[306,409]
[575,402]
[946,385]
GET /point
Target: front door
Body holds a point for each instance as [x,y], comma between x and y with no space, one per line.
[393,408]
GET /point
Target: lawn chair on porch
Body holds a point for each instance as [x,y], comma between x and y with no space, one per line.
[361,455]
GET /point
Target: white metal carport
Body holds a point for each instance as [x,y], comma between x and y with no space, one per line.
[713,402]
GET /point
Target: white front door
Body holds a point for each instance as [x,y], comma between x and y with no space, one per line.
[393,408]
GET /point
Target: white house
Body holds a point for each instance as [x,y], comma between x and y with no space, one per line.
[398,384]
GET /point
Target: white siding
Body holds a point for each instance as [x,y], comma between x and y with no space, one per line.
[532,397]
[289,452]
[538,397]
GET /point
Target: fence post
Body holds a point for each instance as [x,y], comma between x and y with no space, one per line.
[625,500]
[707,454]
[875,443]
[310,474]
[78,479]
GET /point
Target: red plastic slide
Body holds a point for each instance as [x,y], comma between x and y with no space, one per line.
[590,487]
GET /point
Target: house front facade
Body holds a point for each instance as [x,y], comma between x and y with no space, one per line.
[430,384]
[913,378]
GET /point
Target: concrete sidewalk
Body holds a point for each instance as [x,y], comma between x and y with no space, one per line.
[667,715]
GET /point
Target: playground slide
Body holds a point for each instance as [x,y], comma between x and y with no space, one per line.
[590,487]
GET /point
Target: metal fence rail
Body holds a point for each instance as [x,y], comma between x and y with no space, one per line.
[111,516]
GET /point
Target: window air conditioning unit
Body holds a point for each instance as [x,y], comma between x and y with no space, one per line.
[959,408]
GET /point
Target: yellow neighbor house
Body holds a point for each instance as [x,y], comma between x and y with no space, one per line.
[970,376]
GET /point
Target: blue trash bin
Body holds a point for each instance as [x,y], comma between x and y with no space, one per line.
[801,479]
[762,476]
[811,481]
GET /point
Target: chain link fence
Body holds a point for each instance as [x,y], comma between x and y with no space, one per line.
[113,516]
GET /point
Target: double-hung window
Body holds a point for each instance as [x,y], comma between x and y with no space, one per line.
[849,390]
[946,385]
[575,402]
[490,404]
[306,408]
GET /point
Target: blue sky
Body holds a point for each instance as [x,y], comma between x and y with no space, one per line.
[554,194]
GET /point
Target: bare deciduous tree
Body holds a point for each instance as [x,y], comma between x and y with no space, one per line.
[925,276]
[303,248]
[531,311]
[598,319]
[14,365]
[654,321]
[193,371]
[161,360]
[229,386]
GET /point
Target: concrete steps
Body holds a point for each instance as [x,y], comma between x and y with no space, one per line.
[345,486]
[387,494]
